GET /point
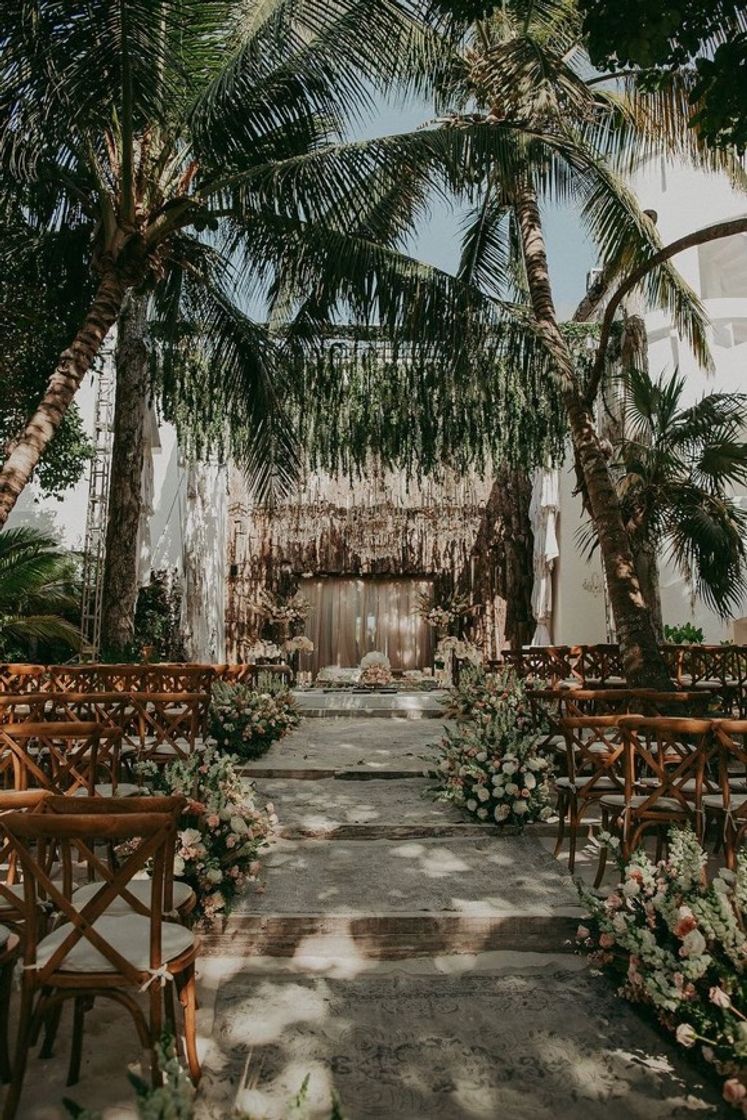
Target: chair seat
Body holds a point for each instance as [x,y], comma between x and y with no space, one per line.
[106,789]
[128,933]
[4,936]
[579,783]
[17,890]
[140,888]
[716,801]
[663,804]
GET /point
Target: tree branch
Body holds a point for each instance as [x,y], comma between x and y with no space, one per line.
[689,241]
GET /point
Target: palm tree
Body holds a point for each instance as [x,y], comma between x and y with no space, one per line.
[523,121]
[138,125]
[38,586]
[674,466]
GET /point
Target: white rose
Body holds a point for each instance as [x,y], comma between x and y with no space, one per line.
[498,779]
[631,888]
[482,757]
[694,943]
[482,793]
[501,812]
[520,807]
[190,837]
[510,767]
[214,875]
[471,804]
[512,789]
[482,814]
[239,826]
[529,781]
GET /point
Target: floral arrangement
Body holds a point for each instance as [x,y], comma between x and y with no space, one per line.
[280,610]
[376,675]
[245,722]
[299,644]
[679,943]
[222,830]
[490,764]
[443,616]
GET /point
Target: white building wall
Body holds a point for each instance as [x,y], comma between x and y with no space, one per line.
[684,200]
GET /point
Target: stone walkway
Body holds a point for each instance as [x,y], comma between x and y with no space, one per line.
[413,964]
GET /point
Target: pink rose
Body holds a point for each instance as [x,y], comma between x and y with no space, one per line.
[606,940]
[734,1091]
[719,997]
[582,933]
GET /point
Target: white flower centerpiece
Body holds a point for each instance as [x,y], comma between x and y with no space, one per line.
[490,764]
[376,670]
[246,722]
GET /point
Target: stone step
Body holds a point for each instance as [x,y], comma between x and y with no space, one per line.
[401,748]
[316,940]
[372,809]
[492,874]
[335,705]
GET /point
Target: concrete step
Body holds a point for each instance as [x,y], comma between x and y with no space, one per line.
[372,809]
[315,750]
[318,704]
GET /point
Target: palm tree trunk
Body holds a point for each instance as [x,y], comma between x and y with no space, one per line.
[647,570]
[71,368]
[642,659]
[119,594]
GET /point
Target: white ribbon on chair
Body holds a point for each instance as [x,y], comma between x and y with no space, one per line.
[161,974]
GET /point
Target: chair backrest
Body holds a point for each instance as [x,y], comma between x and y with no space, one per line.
[16,707]
[594,750]
[144,828]
[173,719]
[62,758]
[731,737]
[670,757]
[599,663]
[22,678]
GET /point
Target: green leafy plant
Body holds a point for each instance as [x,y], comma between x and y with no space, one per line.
[246,722]
[678,942]
[39,594]
[222,831]
[684,634]
[490,764]
[158,619]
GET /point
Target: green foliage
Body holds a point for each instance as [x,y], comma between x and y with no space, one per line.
[43,293]
[703,40]
[158,619]
[246,722]
[684,634]
[39,596]
[676,466]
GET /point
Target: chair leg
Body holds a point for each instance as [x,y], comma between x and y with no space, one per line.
[52,1021]
[81,1004]
[20,1058]
[562,810]
[6,981]
[188,998]
[573,825]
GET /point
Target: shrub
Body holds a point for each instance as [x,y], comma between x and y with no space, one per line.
[686,634]
[678,943]
[222,830]
[246,722]
[490,764]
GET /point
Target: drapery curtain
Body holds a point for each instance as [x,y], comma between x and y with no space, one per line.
[351,617]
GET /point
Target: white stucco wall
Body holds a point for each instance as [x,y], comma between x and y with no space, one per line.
[684,200]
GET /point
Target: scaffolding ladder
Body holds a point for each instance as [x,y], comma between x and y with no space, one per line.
[98,504]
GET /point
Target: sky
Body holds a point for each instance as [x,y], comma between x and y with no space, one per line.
[437,242]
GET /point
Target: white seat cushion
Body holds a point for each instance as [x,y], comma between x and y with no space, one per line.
[17,890]
[664,804]
[140,888]
[716,801]
[104,789]
[128,933]
[579,783]
[4,936]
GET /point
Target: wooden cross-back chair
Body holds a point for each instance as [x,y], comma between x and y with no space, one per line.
[66,758]
[169,723]
[177,678]
[109,709]
[730,802]
[93,952]
[22,677]
[11,890]
[598,665]
[10,946]
[15,707]
[593,764]
[667,772]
